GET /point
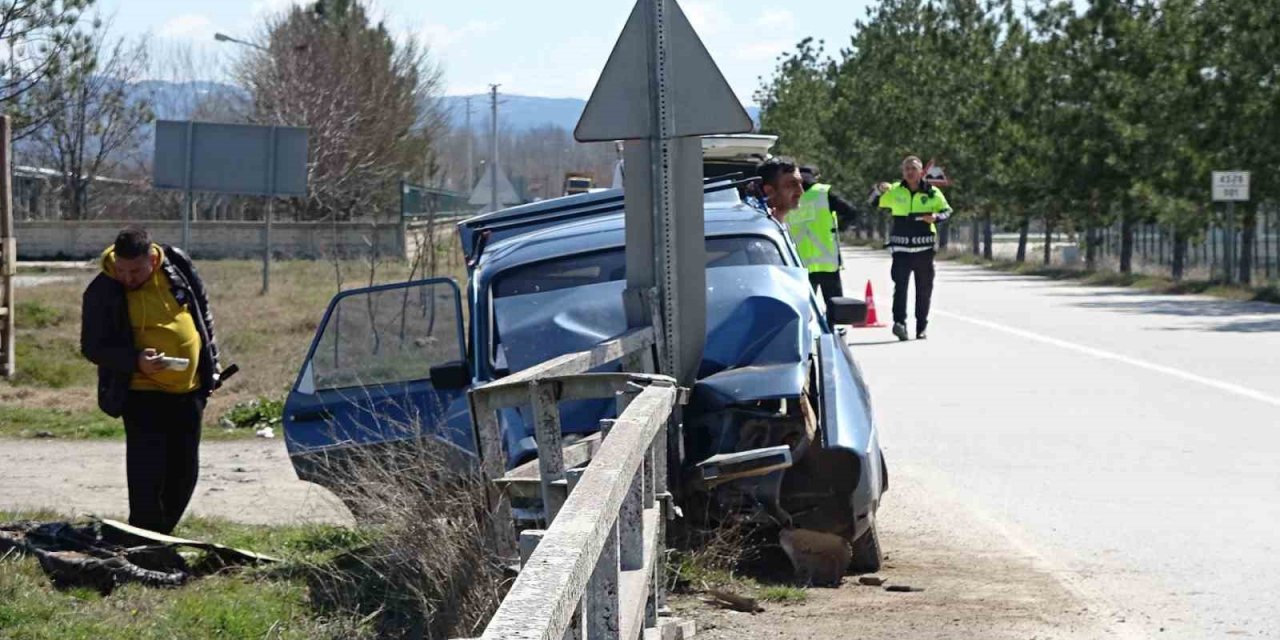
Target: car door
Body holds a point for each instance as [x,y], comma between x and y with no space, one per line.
[367,377]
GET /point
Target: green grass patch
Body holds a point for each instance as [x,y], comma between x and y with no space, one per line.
[249,603]
[254,414]
[37,422]
[36,314]
[784,594]
[22,422]
[53,362]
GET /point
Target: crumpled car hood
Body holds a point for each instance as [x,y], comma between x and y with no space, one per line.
[758,334]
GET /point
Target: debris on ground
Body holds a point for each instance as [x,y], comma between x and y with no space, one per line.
[727,600]
[819,558]
[102,554]
[266,432]
[902,588]
[871,581]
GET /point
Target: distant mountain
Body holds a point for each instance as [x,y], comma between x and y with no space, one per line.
[522,113]
[177,101]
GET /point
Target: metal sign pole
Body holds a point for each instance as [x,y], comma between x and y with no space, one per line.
[188,202]
[1229,242]
[8,255]
[271,199]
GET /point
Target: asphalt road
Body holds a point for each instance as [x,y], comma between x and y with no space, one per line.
[1128,443]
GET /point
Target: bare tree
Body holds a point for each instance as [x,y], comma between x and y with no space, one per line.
[41,36]
[93,118]
[371,102]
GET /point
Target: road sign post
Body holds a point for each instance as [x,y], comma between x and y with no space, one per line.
[243,159]
[1230,187]
[660,91]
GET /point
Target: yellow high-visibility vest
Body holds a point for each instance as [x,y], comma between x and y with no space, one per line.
[815,231]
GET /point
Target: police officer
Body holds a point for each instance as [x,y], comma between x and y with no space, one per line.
[916,206]
[815,229]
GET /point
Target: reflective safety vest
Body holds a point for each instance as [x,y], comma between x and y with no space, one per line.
[815,231]
[910,233]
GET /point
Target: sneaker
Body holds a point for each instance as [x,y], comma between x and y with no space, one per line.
[900,330]
[920,335]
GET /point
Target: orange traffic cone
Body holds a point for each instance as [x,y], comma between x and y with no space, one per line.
[872,320]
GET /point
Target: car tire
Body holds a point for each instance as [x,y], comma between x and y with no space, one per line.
[866,553]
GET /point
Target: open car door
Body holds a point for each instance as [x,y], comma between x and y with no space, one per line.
[367,379]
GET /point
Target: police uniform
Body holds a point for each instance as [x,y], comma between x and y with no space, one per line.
[912,242]
[815,230]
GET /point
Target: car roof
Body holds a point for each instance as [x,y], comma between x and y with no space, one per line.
[606,231]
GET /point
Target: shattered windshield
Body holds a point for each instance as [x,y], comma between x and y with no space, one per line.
[611,264]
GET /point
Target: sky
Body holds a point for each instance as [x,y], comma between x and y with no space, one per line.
[552,48]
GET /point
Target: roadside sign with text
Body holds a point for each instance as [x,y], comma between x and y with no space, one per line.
[1230,186]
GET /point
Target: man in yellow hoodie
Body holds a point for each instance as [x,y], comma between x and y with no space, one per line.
[146,324]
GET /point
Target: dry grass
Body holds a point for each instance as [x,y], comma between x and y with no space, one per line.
[266,335]
[431,570]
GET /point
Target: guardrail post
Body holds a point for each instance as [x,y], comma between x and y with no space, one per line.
[488,442]
[546,414]
[529,539]
[631,524]
[602,610]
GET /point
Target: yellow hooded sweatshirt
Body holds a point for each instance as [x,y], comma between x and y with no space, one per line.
[160,323]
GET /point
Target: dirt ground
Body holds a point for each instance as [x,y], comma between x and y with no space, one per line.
[975,582]
[244,480]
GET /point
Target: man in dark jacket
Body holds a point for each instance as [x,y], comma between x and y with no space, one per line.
[146,323]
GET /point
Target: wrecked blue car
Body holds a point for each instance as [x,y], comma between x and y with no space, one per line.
[392,363]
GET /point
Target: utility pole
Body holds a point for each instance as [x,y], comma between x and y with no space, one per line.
[471,160]
[493,147]
[8,254]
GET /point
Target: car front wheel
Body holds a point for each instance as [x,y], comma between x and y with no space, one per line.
[866,552]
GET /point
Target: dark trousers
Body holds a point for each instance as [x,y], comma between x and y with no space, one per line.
[162,456]
[829,282]
[904,265]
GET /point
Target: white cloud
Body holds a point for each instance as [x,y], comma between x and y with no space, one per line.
[441,37]
[706,19]
[270,7]
[777,19]
[762,51]
[192,25]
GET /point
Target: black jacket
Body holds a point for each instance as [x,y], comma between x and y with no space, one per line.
[106,338]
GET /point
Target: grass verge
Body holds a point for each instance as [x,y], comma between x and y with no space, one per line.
[77,424]
[55,387]
[272,602]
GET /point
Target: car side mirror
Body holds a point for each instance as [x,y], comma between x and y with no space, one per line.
[846,311]
[450,375]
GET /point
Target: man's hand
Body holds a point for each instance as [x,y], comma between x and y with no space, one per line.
[883,187]
[930,218]
[149,362]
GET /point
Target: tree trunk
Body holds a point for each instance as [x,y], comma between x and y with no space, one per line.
[1126,242]
[1247,233]
[1023,230]
[1048,241]
[1091,248]
[977,242]
[987,251]
[1179,253]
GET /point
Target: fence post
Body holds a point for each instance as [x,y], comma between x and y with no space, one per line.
[602,610]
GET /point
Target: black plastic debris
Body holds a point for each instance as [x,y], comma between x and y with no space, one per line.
[102,554]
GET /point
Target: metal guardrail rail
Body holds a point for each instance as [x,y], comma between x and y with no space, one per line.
[595,572]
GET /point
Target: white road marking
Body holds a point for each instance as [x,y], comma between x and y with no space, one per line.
[1246,392]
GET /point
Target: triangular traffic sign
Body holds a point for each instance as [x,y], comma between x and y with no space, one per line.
[699,98]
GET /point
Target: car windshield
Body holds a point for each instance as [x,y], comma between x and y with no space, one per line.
[609,265]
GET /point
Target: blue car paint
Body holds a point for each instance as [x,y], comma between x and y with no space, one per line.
[763,329]
[327,418]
